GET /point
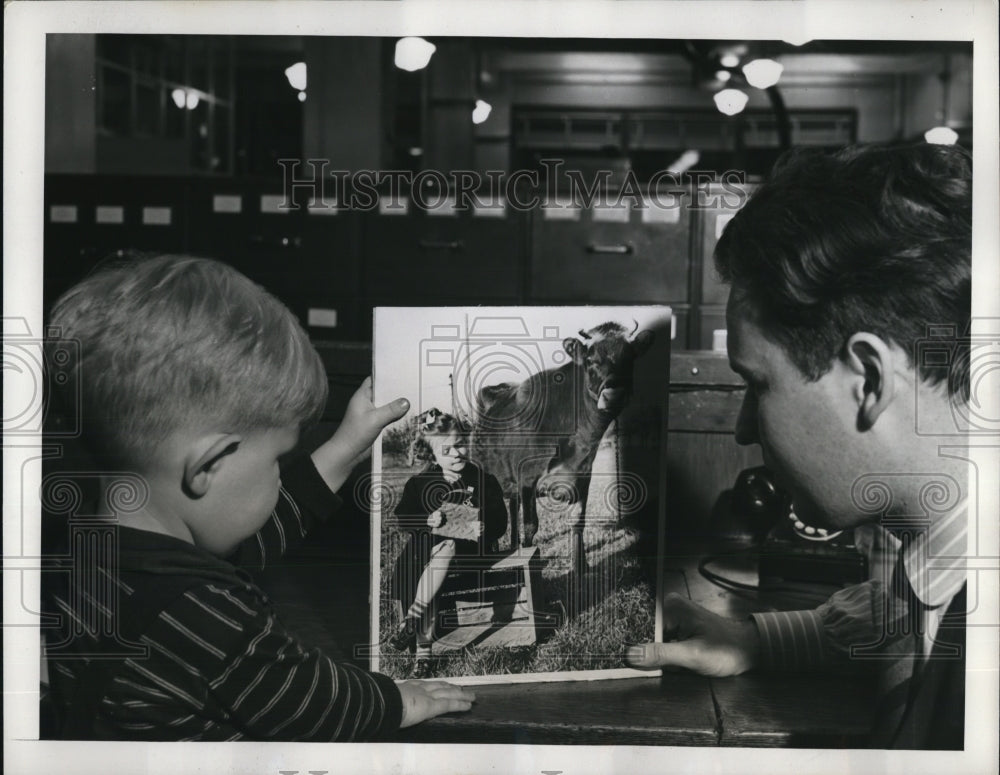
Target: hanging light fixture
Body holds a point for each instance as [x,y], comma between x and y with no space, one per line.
[179,98]
[481,112]
[763,73]
[191,100]
[413,53]
[297,76]
[941,135]
[730,101]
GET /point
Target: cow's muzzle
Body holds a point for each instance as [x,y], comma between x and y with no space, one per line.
[613,394]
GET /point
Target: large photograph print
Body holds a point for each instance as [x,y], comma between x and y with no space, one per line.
[517,508]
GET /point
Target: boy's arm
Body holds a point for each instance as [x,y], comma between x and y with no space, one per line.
[303,500]
[352,442]
[275,688]
[308,486]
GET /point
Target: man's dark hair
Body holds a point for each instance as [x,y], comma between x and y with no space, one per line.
[870,238]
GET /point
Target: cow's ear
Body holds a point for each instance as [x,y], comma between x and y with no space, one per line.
[642,342]
[575,349]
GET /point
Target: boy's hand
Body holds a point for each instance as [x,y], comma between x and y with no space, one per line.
[700,641]
[362,423]
[426,699]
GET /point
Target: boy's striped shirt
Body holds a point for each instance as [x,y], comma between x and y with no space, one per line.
[219,664]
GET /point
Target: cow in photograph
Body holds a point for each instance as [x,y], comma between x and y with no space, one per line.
[539,437]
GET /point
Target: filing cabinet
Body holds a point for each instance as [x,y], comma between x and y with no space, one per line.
[709,222]
[90,220]
[249,225]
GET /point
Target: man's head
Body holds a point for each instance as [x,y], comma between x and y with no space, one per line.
[188,369]
[838,265]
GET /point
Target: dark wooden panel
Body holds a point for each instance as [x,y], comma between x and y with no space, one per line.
[576,261]
[796,711]
[702,368]
[705,411]
[701,467]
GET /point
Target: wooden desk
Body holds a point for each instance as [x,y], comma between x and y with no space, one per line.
[804,710]
[678,709]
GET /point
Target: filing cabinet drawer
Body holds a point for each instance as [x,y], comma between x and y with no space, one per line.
[459,258]
[593,260]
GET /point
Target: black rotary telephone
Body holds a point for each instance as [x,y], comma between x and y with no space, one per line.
[791,550]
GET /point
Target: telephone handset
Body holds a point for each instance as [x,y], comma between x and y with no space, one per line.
[757,496]
[789,548]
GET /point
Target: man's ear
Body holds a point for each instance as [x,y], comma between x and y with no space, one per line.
[205,459]
[872,360]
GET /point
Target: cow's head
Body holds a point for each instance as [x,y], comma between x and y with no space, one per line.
[607,354]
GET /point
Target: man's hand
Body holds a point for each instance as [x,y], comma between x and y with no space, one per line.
[699,640]
[362,423]
[426,699]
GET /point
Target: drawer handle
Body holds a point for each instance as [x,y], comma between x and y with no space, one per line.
[610,250]
[429,244]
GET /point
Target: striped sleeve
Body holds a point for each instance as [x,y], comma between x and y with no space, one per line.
[303,501]
[800,640]
[269,685]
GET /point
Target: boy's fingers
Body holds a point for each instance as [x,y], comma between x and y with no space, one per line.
[452,706]
[445,690]
[383,415]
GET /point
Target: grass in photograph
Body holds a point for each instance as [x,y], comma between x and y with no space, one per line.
[618,601]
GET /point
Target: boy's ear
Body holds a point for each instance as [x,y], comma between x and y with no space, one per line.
[871,360]
[206,457]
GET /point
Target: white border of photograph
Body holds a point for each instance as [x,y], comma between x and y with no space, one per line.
[435,392]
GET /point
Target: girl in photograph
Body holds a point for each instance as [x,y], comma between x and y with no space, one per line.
[452,508]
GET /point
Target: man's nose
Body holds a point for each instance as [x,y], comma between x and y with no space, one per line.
[746,421]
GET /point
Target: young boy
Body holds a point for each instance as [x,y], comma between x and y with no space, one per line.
[194,382]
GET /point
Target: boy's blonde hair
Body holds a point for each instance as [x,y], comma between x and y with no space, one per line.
[170,343]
